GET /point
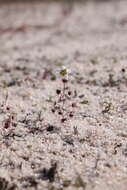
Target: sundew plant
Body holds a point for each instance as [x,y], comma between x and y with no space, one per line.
[64,105]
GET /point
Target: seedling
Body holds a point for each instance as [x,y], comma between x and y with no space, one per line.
[66,183]
[107,108]
[9,122]
[62,107]
[49,174]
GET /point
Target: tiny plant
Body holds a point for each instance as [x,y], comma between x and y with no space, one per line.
[62,106]
[107,108]
[10,120]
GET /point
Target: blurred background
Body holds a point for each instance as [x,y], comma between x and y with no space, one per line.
[50,0]
[52,22]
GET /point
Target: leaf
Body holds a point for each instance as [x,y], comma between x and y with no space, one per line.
[79,182]
[84,102]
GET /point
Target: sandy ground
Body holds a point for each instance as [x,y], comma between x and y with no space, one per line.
[63,134]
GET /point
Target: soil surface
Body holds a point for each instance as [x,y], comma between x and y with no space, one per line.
[63,96]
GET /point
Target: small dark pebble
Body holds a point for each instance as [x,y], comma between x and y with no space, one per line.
[81,96]
[123,70]
[53,110]
[73,105]
[63,120]
[108,165]
[60,113]
[71,115]
[50,128]
[69,93]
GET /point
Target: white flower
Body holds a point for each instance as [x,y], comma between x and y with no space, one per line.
[63,73]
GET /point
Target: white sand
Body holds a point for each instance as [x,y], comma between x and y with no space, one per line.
[90,149]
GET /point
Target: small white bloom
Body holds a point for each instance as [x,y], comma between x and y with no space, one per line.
[63,72]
